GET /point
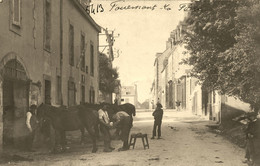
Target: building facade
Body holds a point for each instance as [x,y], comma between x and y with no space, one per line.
[49,54]
[173,82]
[129,95]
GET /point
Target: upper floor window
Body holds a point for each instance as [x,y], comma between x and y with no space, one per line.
[16,6]
[47,25]
[71,45]
[82,52]
[91,60]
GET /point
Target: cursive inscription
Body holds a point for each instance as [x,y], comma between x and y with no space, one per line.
[117,6]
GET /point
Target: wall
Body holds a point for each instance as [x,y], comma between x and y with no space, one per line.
[25,44]
[232,107]
[77,19]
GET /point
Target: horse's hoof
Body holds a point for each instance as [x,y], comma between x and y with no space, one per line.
[94,150]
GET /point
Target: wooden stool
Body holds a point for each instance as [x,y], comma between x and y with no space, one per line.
[139,135]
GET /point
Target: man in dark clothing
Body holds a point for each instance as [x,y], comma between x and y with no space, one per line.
[158,114]
[122,121]
[250,131]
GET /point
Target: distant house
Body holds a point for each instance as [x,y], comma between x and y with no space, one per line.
[129,94]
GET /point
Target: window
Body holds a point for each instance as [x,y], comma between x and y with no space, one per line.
[87,69]
[71,45]
[47,94]
[71,93]
[82,52]
[58,93]
[91,95]
[82,94]
[16,12]
[47,25]
[92,60]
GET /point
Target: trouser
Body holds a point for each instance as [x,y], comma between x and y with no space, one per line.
[107,137]
[250,149]
[157,123]
[29,140]
[117,132]
[125,127]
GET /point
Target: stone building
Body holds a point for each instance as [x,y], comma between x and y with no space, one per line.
[49,54]
[129,95]
[173,82]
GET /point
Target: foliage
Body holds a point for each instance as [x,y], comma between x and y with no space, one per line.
[223,41]
[241,67]
[107,75]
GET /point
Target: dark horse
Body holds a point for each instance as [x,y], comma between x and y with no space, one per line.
[127,107]
[78,117]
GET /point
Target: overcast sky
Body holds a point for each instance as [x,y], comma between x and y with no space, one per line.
[143,33]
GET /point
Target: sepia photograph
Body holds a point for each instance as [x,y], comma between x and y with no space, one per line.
[130,82]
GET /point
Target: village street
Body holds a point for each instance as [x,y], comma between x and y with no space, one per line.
[186,141]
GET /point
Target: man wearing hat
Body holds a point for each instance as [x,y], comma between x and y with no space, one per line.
[158,114]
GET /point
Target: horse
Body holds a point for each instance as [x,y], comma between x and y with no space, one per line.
[70,119]
[128,108]
[88,115]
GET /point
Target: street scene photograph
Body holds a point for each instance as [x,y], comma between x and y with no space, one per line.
[130,82]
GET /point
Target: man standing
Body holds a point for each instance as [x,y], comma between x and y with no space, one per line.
[158,114]
[250,132]
[124,124]
[31,124]
[105,125]
[178,104]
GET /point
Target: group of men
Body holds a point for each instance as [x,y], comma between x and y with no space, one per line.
[121,121]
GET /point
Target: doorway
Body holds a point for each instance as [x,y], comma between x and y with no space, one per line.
[15,103]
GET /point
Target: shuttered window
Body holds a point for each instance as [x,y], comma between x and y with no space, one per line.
[71,45]
[17,12]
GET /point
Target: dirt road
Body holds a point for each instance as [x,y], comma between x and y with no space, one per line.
[185,142]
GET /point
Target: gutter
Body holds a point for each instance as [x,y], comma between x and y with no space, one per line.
[61,49]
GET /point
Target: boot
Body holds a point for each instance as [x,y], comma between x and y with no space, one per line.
[107,148]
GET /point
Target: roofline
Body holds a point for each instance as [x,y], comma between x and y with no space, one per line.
[87,16]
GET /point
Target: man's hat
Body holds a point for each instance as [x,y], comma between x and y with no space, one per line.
[33,107]
[159,105]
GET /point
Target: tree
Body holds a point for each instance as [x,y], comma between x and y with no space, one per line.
[107,75]
[241,76]
[223,41]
